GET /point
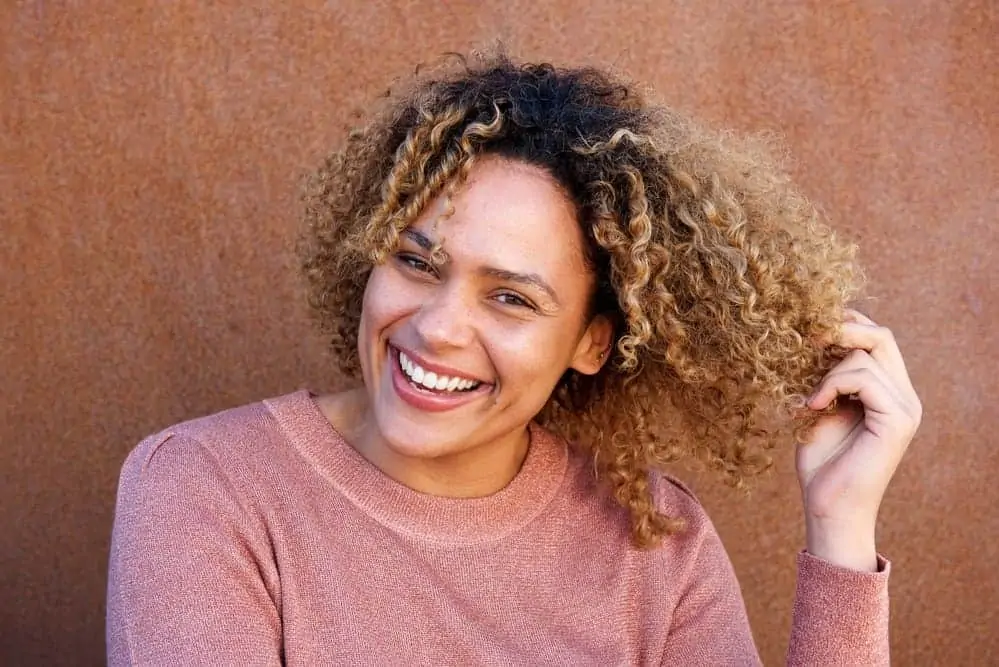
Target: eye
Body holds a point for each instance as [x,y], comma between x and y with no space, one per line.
[416,263]
[511,299]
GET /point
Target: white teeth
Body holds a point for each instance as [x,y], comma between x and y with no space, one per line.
[432,380]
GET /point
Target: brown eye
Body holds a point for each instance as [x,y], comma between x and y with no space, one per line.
[510,299]
[415,263]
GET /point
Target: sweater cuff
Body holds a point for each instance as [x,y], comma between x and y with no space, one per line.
[824,567]
[840,615]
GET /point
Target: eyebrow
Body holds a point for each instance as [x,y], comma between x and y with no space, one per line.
[526,279]
[419,239]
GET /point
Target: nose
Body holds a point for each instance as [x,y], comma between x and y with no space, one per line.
[445,320]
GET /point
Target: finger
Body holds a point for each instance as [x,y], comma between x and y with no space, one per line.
[860,382]
[880,343]
[859,359]
[852,315]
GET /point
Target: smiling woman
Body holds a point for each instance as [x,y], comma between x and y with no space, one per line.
[507,306]
[547,288]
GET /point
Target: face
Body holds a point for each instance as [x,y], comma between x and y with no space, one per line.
[464,354]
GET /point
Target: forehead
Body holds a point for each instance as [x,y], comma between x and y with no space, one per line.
[509,215]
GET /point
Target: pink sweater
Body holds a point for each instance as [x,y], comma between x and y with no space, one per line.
[258,536]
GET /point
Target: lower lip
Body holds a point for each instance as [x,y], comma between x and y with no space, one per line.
[424,400]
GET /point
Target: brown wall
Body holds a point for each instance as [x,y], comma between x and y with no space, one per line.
[149,159]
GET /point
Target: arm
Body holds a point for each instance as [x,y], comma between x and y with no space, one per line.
[710,625]
[840,615]
[844,467]
[188,565]
[841,602]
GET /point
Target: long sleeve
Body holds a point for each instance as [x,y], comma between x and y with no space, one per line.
[191,579]
[710,626]
[840,616]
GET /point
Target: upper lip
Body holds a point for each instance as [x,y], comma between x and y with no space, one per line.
[439,369]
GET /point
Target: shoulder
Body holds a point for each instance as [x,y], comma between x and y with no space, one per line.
[698,542]
[191,494]
[676,499]
[695,558]
[223,445]
[671,497]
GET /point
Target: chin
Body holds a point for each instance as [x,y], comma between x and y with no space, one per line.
[414,421]
[418,439]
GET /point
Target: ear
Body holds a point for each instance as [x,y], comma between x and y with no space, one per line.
[593,348]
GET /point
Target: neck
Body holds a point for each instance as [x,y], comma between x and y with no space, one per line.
[473,473]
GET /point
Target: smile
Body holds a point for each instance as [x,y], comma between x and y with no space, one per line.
[432,390]
[433,381]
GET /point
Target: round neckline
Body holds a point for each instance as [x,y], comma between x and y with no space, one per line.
[432,518]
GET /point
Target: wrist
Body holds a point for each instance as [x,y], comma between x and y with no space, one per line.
[845,545]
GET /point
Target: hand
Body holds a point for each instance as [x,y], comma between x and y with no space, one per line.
[849,457]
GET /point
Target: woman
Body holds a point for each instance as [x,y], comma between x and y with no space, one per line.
[510,258]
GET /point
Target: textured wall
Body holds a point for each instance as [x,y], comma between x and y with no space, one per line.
[149,159]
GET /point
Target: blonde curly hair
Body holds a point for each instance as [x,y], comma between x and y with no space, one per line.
[723,282]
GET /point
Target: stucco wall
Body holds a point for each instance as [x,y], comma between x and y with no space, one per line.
[150,155]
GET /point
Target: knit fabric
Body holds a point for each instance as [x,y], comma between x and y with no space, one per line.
[259,536]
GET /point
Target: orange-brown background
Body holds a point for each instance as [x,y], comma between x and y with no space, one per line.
[150,156]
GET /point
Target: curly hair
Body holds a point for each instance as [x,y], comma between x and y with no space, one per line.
[724,282]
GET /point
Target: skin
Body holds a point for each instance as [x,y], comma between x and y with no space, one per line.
[849,458]
[472,314]
[514,218]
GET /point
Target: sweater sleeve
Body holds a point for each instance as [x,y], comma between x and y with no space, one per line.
[710,626]
[840,616]
[191,579]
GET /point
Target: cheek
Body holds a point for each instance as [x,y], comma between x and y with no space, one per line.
[385,300]
[533,353]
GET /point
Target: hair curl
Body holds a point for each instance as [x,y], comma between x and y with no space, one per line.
[724,282]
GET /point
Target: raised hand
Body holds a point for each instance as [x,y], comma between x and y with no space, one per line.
[849,457]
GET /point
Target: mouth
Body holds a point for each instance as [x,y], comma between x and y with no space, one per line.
[432,390]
